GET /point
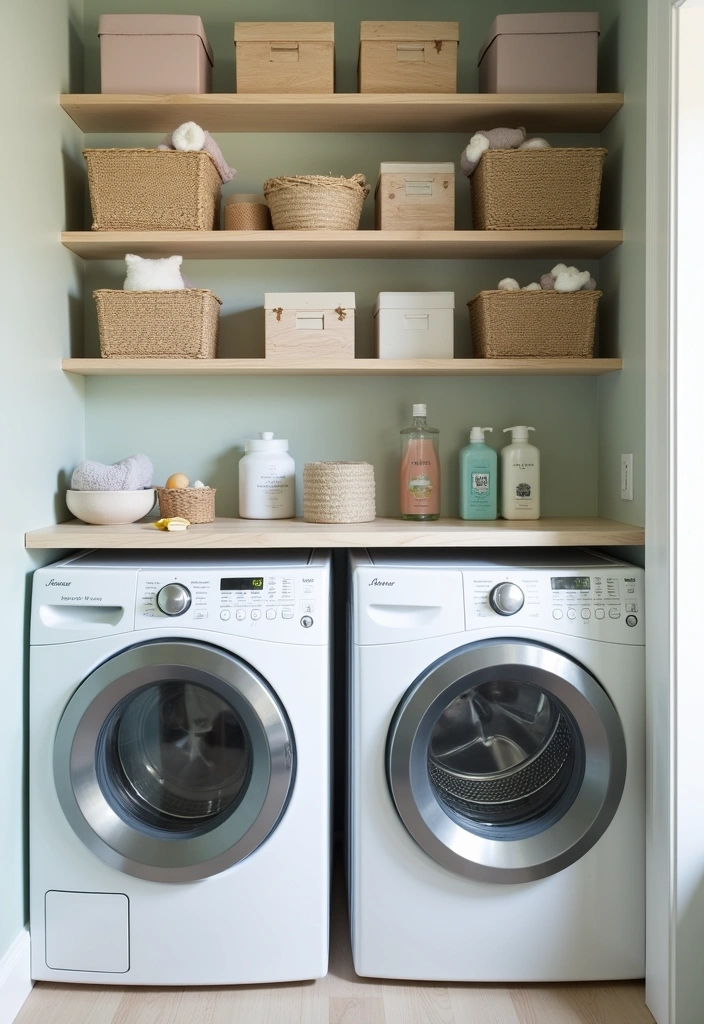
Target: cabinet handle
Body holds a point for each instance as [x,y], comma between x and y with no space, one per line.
[281,53]
[410,51]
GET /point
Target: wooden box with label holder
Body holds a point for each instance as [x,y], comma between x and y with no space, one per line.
[408,56]
[302,326]
[285,56]
[416,197]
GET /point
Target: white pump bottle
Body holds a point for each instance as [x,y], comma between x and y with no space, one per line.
[520,476]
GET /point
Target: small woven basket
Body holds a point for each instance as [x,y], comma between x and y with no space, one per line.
[196,504]
[338,492]
[543,324]
[246,214]
[158,325]
[152,190]
[519,189]
[315,202]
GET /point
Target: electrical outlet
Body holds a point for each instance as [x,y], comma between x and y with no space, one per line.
[627,477]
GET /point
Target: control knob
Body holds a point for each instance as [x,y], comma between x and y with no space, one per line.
[173,599]
[506,598]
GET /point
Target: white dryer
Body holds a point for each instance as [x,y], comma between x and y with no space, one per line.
[496,805]
[179,768]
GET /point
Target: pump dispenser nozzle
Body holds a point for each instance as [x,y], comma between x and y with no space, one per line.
[518,433]
[476,434]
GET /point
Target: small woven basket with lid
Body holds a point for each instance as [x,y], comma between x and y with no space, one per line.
[338,492]
[196,504]
[312,202]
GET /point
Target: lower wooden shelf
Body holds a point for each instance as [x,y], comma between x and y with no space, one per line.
[294,533]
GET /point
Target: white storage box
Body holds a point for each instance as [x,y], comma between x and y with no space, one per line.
[415,325]
[302,326]
[416,197]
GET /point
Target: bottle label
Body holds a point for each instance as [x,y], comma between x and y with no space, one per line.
[420,479]
[480,483]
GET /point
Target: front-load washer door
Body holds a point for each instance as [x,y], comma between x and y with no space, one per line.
[173,760]
[506,761]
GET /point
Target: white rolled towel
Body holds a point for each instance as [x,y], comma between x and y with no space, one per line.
[509,284]
[571,280]
[188,138]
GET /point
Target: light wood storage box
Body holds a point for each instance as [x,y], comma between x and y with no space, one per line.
[154,53]
[285,56]
[309,325]
[415,197]
[158,325]
[539,53]
[415,325]
[544,324]
[408,56]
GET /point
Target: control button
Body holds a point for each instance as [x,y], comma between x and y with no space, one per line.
[200,614]
[225,615]
[631,606]
[506,598]
[571,613]
[173,599]
[557,614]
[599,613]
[287,613]
[614,613]
[631,620]
[271,613]
[256,613]
[586,614]
[306,622]
[240,614]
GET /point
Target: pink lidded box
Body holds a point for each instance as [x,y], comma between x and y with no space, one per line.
[154,53]
[540,53]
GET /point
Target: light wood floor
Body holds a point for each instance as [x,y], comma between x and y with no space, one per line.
[340,998]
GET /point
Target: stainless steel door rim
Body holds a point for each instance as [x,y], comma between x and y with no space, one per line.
[85,793]
[569,830]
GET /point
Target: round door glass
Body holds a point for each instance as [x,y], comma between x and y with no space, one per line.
[503,753]
[176,757]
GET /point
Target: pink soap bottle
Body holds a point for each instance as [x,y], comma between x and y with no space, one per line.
[420,469]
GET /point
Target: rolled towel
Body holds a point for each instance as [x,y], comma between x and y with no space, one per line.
[532,287]
[559,269]
[131,474]
[571,280]
[535,144]
[185,139]
[494,138]
[145,275]
[188,138]
[508,284]
[547,282]
[590,286]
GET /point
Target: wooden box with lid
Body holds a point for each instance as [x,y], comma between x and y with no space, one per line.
[303,326]
[408,56]
[285,56]
[415,197]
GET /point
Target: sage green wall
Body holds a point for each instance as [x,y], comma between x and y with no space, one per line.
[42,408]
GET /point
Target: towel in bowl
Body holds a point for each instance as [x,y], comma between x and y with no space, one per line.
[132,474]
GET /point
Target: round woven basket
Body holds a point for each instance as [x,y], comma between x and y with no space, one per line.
[196,504]
[247,213]
[338,492]
[315,202]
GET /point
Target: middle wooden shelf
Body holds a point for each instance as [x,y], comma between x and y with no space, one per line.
[224,245]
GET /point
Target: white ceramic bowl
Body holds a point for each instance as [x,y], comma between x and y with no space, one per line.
[110,508]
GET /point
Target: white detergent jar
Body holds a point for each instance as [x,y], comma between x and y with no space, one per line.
[267,479]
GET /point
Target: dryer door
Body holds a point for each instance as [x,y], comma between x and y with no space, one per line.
[506,761]
[173,760]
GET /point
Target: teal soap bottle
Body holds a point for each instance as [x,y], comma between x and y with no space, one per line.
[478,477]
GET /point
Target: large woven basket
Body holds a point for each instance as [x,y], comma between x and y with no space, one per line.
[338,492]
[196,504]
[533,324]
[556,189]
[316,202]
[152,190]
[158,325]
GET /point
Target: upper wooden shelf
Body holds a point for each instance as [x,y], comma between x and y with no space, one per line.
[348,367]
[344,112]
[312,245]
[294,533]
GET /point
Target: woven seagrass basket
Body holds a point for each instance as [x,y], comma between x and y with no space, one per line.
[338,492]
[554,189]
[315,202]
[196,504]
[509,325]
[247,213]
[152,190]
[158,325]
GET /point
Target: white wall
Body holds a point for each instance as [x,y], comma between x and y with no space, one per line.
[41,408]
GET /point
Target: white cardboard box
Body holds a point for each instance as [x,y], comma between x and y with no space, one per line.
[415,325]
[303,326]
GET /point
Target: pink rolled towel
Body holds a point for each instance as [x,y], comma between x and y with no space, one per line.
[189,138]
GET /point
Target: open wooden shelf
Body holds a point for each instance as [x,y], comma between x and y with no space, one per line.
[294,533]
[315,245]
[348,367]
[344,112]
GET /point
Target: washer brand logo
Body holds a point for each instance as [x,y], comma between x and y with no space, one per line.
[382,583]
[58,583]
[308,579]
[630,579]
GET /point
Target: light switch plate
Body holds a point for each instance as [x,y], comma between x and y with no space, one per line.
[627,477]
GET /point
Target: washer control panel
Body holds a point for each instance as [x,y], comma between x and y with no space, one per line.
[289,606]
[606,604]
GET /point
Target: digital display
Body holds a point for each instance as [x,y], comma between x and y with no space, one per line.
[571,583]
[255,583]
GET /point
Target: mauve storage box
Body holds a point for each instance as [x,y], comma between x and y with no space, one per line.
[154,53]
[540,53]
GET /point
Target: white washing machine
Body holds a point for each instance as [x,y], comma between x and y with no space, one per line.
[180,769]
[497,782]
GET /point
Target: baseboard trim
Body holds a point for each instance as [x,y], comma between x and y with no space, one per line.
[15,978]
